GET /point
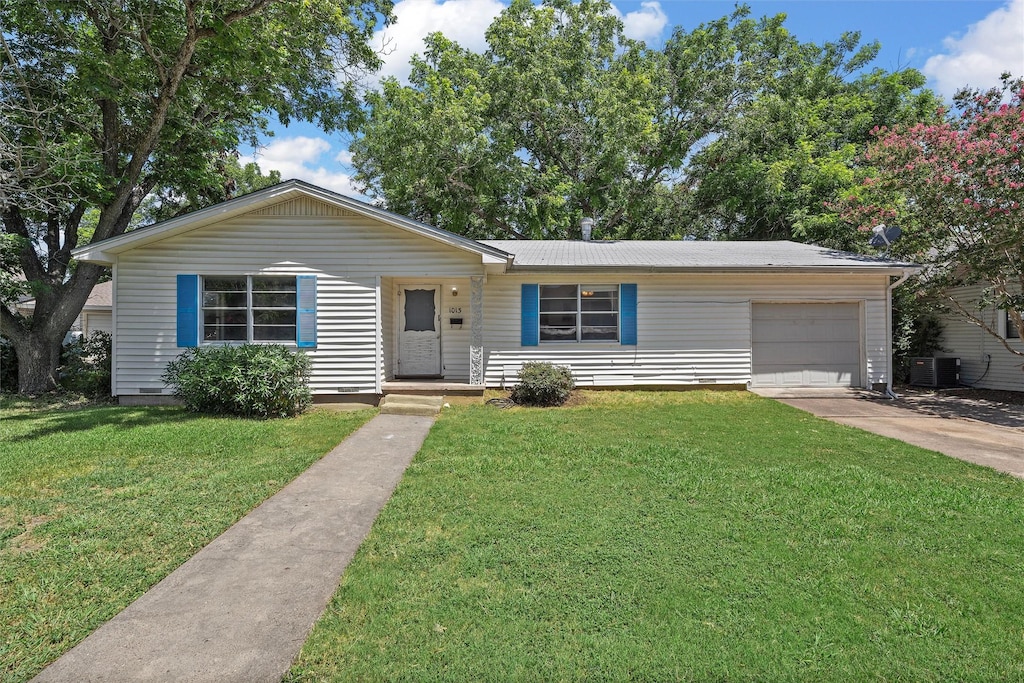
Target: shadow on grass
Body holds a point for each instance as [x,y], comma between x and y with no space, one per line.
[66,421]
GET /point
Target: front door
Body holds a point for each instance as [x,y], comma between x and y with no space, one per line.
[419,332]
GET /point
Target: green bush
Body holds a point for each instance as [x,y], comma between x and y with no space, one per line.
[543,384]
[916,329]
[85,365]
[251,380]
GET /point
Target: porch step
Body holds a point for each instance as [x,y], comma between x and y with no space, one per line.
[432,388]
[404,404]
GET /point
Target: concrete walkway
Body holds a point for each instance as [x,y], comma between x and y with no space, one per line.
[958,428]
[241,608]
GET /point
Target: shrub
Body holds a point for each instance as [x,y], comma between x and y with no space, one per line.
[251,380]
[543,384]
[8,366]
[85,365]
[916,330]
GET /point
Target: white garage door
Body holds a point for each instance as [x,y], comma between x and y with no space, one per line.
[806,345]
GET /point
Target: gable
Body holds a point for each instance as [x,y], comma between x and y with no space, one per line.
[304,206]
[291,199]
[297,237]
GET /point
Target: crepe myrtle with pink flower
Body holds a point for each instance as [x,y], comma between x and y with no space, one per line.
[956,187]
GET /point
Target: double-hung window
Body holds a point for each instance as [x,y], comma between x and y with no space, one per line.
[575,313]
[249,308]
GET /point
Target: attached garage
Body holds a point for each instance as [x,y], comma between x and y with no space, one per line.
[806,344]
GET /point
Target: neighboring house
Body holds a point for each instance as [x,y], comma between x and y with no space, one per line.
[96,315]
[984,362]
[374,297]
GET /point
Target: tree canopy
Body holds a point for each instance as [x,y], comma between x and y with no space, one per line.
[778,168]
[956,188]
[560,117]
[102,102]
[733,130]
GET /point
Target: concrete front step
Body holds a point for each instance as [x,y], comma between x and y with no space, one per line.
[403,404]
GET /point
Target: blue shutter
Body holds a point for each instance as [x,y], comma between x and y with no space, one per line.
[627,315]
[188,310]
[305,318]
[530,327]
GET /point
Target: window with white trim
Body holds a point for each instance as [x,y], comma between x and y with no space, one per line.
[1011,329]
[575,313]
[249,308]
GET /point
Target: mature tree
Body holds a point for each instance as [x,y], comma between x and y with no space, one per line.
[102,101]
[561,117]
[796,147]
[957,190]
[232,179]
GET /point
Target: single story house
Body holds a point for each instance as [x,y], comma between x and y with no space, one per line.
[985,363]
[374,297]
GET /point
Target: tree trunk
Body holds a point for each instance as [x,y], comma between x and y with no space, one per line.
[37,339]
[38,359]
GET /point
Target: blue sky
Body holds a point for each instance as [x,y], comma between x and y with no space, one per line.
[954,42]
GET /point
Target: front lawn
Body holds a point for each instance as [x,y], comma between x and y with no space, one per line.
[697,536]
[98,504]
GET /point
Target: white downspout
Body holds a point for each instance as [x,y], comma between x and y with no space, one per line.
[888,331]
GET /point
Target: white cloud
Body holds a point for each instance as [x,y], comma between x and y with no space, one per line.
[464,21]
[991,46]
[646,23]
[299,157]
[344,157]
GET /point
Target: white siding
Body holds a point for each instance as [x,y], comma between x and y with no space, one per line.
[970,343]
[388,293]
[691,329]
[96,321]
[346,252]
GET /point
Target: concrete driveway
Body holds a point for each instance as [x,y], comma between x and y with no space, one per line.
[984,433]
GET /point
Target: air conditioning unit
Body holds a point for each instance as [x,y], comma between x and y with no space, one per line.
[935,372]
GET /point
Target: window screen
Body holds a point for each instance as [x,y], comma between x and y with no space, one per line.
[253,308]
[1011,330]
[419,310]
[579,313]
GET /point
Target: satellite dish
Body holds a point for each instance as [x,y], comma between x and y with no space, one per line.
[884,235]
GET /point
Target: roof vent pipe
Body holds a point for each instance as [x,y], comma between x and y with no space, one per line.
[586,226]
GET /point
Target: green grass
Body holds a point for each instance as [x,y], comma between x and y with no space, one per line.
[696,536]
[98,504]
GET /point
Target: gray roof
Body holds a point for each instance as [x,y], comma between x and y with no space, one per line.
[101,296]
[677,255]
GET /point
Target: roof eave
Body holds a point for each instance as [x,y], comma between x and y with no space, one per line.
[879,269]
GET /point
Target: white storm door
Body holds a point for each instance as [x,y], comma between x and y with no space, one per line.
[419,332]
